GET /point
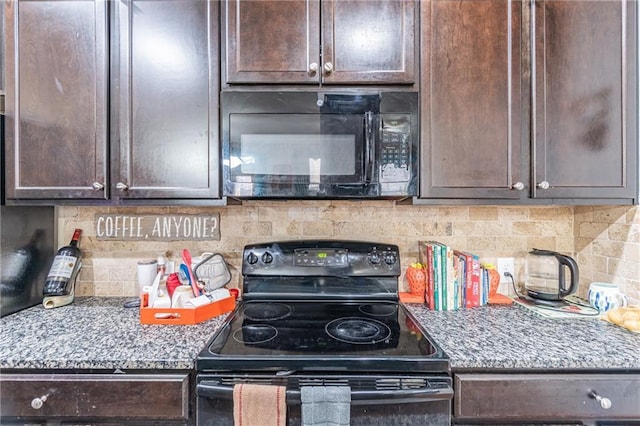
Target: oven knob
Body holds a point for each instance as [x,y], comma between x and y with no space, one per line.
[252,259]
[374,258]
[390,258]
[267,258]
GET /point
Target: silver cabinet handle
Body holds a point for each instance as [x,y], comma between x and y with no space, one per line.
[37,403]
[313,68]
[605,403]
[328,67]
[543,185]
[97,186]
[122,186]
[518,186]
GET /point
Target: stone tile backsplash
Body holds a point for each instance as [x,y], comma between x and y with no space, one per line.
[604,240]
[607,242]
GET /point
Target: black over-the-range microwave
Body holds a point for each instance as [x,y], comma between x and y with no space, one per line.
[319,144]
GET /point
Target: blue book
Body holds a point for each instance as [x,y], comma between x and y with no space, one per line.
[485,287]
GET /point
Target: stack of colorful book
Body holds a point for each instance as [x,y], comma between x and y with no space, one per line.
[455,279]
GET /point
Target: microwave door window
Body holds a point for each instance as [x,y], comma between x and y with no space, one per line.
[291,155]
[311,158]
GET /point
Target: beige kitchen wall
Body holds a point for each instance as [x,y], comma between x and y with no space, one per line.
[605,240]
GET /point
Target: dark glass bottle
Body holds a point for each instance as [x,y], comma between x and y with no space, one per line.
[20,266]
[64,268]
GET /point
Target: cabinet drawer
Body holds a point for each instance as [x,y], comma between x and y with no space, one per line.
[546,396]
[162,396]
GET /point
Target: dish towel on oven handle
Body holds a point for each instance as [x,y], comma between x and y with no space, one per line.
[325,405]
[262,405]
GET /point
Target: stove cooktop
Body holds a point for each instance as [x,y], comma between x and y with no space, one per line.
[286,335]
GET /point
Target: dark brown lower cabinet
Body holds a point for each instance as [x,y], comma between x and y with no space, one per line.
[549,398]
[87,398]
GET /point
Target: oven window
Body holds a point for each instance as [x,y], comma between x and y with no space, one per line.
[297,155]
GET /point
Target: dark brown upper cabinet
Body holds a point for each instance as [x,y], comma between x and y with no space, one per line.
[112,105]
[319,41]
[165,100]
[585,102]
[529,102]
[472,95]
[56,109]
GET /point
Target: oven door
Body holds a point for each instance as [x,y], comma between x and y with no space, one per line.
[299,144]
[375,400]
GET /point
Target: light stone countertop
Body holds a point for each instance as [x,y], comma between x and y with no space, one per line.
[513,337]
[99,333]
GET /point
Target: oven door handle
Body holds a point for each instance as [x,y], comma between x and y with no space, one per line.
[402,396]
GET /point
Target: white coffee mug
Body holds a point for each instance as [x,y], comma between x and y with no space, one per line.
[605,296]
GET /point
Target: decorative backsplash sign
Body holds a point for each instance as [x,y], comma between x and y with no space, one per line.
[158,227]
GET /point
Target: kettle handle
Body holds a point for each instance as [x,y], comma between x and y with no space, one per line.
[573,269]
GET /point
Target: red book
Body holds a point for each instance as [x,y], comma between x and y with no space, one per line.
[468,273]
[475,281]
[431,301]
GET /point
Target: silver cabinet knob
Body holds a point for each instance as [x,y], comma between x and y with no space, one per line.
[543,185]
[605,403]
[313,68]
[328,67]
[37,403]
[97,186]
[518,186]
[122,186]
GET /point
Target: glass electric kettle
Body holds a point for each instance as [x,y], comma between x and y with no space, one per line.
[545,275]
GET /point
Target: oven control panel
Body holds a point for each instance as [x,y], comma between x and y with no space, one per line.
[332,258]
[321,258]
[382,257]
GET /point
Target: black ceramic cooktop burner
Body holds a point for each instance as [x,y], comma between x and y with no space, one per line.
[379,309]
[267,311]
[358,330]
[255,334]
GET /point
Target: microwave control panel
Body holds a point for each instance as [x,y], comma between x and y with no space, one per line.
[395,148]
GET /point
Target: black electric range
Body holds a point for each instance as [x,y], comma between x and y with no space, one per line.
[321,305]
[325,313]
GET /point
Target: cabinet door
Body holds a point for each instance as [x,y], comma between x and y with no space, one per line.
[166,96]
[368,41]
[267,41]
[135,397]
[585,99]
[471,118]
[56,122]
[514,398]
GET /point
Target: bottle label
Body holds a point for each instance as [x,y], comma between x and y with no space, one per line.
[62,267]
